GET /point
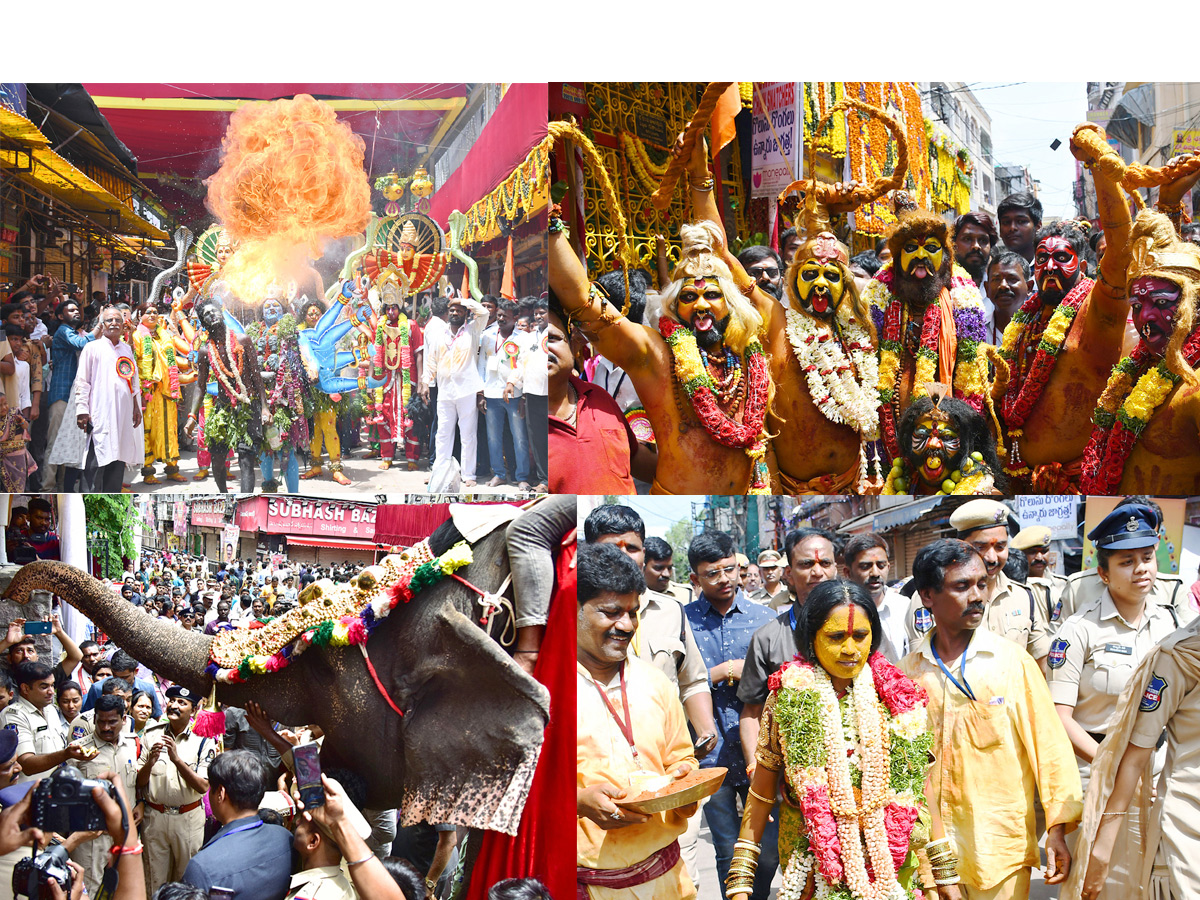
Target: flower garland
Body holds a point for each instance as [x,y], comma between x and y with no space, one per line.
[701,389]
[857,766]
[887,309]
[839,393]
[1028,382]
[236,392]
[512,199]
[1134,392]
[973,477]
[334,621]
[647,171]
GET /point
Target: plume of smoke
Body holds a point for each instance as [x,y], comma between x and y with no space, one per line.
[291,178]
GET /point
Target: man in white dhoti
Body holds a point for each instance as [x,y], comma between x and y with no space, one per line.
[107,405]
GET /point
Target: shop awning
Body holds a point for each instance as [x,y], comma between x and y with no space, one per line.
[515,128]
[333,543]
[25,154]
[892,517]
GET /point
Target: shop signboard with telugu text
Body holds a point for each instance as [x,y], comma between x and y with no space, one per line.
[776,137]
[1185,142]
[1058,513]
[209,513]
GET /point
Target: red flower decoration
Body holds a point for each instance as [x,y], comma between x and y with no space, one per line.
[899,692]
[822,833]
[898,821]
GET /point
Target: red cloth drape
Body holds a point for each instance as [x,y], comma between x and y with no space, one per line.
[407,523]
[544,846]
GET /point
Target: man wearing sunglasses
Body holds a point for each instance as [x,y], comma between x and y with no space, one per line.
[766,268]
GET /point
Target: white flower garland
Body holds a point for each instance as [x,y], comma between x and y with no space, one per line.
[839,394]
[864,710]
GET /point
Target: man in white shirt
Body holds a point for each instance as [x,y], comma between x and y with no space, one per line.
[500,355]
[108,404]
[866,561]
[530,379]
[450,365]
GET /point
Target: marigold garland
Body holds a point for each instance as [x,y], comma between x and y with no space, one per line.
[241,653]
[1135,389]
[701,389]
[512,199]
[1028,382]
[887,309]
[648,173]
[857,766]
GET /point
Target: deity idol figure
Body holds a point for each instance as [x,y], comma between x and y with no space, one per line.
[162,369]
[703,375]
[845,737]
[240,408]
[1062,343]
[212,251]
[289,401]
[946,448]
[928,316]
[1147,420]
[392,357]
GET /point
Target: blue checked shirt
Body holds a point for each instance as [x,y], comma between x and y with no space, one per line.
[721,638]
[64,355]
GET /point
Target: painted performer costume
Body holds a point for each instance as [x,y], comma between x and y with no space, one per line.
[240,408]
[928,316]
[1062,343]
[1147,420]
[392,358]
[163,370]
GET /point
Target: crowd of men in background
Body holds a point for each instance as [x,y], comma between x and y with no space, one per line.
[1045,656]
[483,379]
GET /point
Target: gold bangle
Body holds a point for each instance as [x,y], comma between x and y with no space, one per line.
[757,796]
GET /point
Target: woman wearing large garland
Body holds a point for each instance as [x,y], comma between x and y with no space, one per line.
[848,731]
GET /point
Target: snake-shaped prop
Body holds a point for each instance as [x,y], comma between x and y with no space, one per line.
[183,240]
[822,198]
[354,258]
[458,225]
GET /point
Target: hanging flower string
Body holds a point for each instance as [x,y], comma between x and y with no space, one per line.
[842,375]
[249,644]
[1137,387]
[721,426]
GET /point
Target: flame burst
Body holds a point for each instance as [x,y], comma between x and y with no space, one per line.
[291,177]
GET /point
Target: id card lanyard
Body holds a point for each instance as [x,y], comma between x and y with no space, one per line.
[626,726]
[962,670]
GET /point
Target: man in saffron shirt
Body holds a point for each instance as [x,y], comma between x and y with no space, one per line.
[591,445]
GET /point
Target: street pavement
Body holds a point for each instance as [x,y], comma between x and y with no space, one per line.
[365,475]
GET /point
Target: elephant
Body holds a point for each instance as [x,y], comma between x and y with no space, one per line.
[466,746]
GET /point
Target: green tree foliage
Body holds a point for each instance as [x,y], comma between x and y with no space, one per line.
[111,517]
[679,536]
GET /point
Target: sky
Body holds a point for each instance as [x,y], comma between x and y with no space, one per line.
[1026,118]
[661,512]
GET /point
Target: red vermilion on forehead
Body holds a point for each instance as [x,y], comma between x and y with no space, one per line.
[1150,284]
[850,617]
[699,284]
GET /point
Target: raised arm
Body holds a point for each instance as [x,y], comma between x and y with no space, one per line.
[1109,307]
[628,344]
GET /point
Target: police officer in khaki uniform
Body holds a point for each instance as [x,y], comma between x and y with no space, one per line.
[1086,586]
[172,779]
[1035,542]
[113,752]
[1099,647]
[41,733]
[1013,609]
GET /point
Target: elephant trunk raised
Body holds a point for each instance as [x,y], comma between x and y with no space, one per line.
[168,650]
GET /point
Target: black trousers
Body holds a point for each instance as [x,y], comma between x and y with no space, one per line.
[537,421]
[247,463]
[99,479]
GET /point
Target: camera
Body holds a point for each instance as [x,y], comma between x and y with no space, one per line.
[50,863]
[63,802]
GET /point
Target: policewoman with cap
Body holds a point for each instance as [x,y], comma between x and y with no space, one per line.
[1097,650]
[1034,541]
[172,778]
[1012,610]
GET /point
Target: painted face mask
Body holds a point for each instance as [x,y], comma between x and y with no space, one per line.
[702,306]
[844,642]
[1155,303]
[1055,268]
[272,310]
[820,286]
[921,259]
[935,450]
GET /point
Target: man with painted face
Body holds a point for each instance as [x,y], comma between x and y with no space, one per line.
[1146,421]
[946,448]
[160,355]
[240,408]
[1011,610]
[392,358]
[928,317]
[1062,343]
[996,742]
